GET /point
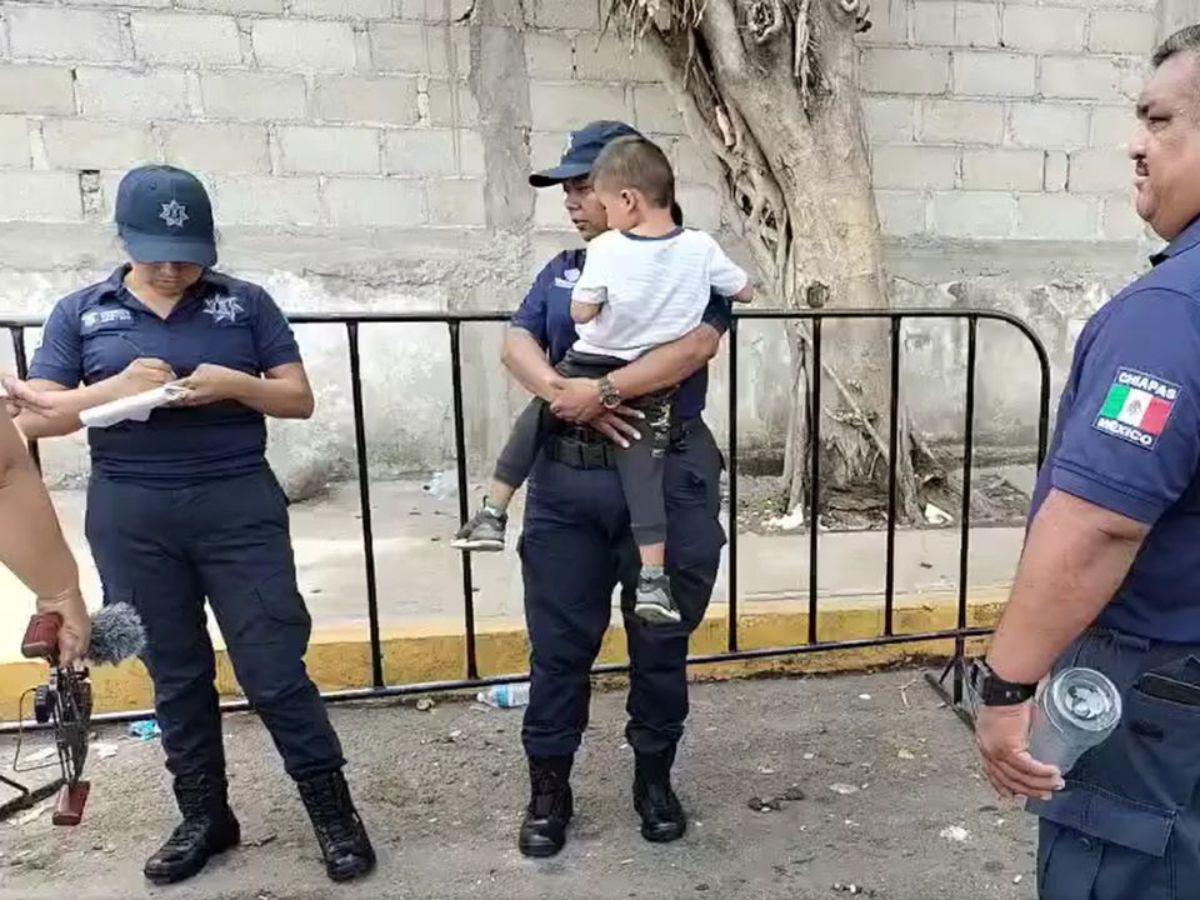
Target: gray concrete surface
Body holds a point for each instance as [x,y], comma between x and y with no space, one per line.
[442,794]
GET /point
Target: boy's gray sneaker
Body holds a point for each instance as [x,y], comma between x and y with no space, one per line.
[485,532]
[654,604]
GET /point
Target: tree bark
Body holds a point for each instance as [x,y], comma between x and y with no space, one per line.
[771,87]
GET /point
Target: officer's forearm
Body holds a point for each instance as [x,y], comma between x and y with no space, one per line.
[1076,556]
[526,360]
[31,543]
[669,364]
[36,426]
[68,404]
[283,394]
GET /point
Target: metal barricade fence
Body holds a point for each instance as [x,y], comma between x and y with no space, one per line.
[815,320]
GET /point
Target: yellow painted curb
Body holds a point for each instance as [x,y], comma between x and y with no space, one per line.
[435,650]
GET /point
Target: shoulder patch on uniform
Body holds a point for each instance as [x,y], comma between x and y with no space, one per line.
[1137,408]
[568,279]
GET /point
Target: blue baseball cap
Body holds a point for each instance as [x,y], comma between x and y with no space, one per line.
[583,147]
[164,215]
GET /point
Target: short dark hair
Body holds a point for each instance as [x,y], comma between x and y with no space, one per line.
[634,162]
[1185,40]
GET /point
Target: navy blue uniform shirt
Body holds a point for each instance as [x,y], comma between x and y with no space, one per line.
[95,333]
[1128,438]
[546,314]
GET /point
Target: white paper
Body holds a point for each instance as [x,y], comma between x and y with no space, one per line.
[136,408]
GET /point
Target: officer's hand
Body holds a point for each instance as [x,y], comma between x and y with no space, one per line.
[578,400]
[616,426]
[1002,733]
[22,397]
[145,374]
[210,384]
[76,630]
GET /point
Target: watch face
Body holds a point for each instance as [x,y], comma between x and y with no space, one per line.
[609,398]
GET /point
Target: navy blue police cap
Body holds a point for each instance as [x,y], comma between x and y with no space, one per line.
[164,215]
[583,147]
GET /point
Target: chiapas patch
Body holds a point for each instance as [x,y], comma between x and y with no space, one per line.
[1137,408]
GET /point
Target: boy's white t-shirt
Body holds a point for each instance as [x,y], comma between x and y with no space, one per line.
[652,290]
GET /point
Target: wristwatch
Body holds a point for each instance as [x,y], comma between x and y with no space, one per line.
[610,397]
[992,690]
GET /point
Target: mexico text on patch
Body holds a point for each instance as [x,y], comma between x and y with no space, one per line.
[1137,408]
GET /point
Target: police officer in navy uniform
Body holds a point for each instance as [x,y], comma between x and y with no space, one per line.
[577,546]
[183,507]
[1110,575]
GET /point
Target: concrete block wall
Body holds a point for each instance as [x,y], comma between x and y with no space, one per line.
[372,154]
[317,96]
[1005,120]
[359,111]
[360,154]
[576,74]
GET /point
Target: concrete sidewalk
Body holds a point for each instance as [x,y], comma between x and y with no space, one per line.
[420,581]
[442,793]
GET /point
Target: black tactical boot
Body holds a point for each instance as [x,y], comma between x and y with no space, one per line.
[663,819]
[340,832]
[544,831]
[208,828]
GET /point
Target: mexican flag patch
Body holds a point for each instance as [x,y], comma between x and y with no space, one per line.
[1137,407]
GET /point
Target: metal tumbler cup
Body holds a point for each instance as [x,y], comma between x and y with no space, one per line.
[1075,712]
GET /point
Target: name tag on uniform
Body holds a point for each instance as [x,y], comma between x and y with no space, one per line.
[98,317]
[1137,408]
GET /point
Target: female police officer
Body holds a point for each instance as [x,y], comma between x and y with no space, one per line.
[183,506]
[576,544]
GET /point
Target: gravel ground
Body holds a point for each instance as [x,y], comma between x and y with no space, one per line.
[442,793]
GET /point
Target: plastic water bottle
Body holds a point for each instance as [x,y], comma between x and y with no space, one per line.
[505,696]
[1077,711]
[443,485]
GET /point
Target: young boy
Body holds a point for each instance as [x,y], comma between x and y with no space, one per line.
[645,283]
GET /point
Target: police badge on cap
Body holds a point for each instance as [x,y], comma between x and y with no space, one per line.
[164,215]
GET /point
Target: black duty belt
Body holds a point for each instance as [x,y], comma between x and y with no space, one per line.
[581,454]
[583,448]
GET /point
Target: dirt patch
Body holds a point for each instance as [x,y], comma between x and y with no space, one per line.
[762,505]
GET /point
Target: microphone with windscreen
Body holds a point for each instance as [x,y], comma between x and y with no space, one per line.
[117,635]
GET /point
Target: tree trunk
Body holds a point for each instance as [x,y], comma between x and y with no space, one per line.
[770,86]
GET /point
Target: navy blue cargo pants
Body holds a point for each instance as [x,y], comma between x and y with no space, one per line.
[165,551]
[575,548]
[1128,823]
